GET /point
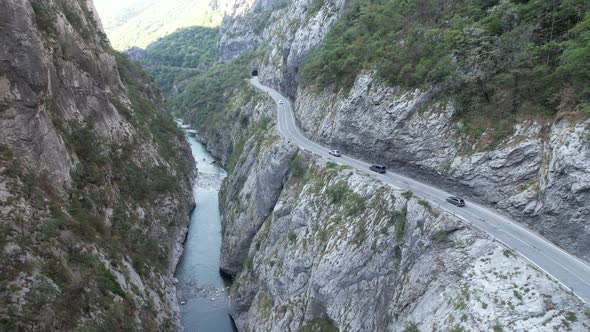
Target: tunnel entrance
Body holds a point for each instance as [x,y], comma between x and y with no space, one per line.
[255,72]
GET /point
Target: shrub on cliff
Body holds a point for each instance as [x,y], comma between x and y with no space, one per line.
[498,59]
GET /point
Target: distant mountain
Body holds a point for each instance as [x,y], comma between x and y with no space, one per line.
[141,22]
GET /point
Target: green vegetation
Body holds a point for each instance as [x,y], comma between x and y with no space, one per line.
[318,325]
[499,60]
[61,238]
[400,220]
[457,328]
[206,96]
[198,88]
[292,237]
[497,327]
[84,143]
[338,192]
[517,294]
[408,194]
[425,204]
[73,240]
[508,253]
[411,327]
[296,167]
[176,58]
[44,17]
[571,316]
[106,281]
[341,195]
[428,207]
[5,153]
[147,115]
[440,236]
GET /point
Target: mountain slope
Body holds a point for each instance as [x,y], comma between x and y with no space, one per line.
[95,178]
[141,23]
[176,59]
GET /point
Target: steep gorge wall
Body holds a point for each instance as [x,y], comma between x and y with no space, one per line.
[537,175]
[319,247]
[95,178]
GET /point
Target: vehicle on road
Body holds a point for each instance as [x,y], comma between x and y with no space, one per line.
[378,168]
[456,201]
[280,102]
[335,153]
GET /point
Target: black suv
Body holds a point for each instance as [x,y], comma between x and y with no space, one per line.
[378,168]
[456,201]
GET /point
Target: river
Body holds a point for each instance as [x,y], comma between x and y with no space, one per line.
[201,291]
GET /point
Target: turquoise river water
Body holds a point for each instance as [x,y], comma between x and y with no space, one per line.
[202,292]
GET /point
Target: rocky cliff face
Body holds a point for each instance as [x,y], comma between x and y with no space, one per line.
[341,252]
[95,178]
[537,175]
[287,31]
[319,247]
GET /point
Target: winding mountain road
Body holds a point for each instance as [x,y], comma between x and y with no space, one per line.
[570,271]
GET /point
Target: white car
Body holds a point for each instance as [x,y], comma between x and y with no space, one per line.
[280,102]
[335,153]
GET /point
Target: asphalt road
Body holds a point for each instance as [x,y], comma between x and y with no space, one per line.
[570,271]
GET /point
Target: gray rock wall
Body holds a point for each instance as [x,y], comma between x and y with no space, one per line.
[69,139]
[316,246]
[341,251]
[539,175]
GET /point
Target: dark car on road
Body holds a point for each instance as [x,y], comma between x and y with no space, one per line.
[456,201]
[378,168]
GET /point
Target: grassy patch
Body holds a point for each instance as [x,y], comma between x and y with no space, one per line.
[400,220]
[440,236]
[107,282]
[411,327]
[508,253]
[497,327]
[337,193]
[571,316]
[517,294]
[408,194]
[297,167]
[318,325]
[428,207]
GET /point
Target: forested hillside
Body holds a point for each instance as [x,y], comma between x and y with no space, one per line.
[185,67]
[500,60]
[175,59]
